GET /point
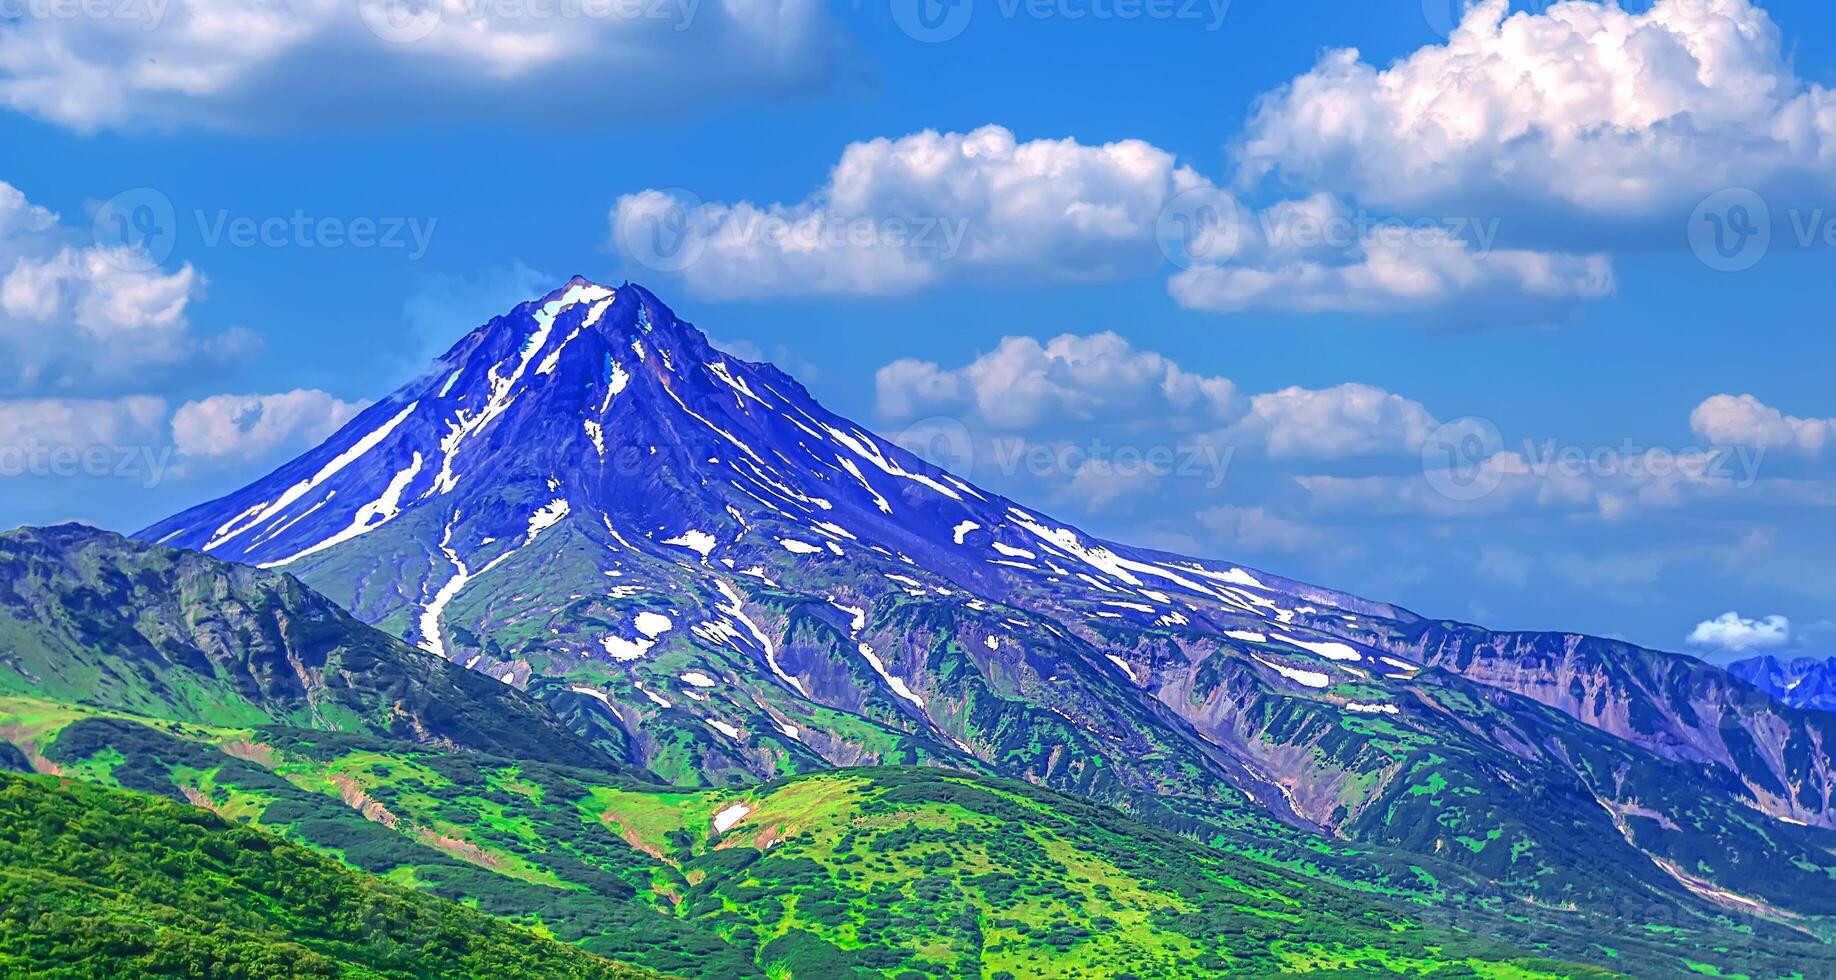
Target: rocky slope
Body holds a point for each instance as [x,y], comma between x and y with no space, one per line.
[1803,682]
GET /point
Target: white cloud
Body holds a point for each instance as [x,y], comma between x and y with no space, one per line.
[1743,420]
[1092,421]
[80,316]
[1072,381]
[248,427]
[1730,632]
[29,425]
[899,214]
[1068,380]
[1347,420]
[1584,109]
[261,64]
[1320,256]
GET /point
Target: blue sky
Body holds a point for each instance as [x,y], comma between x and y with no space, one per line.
[1542,300]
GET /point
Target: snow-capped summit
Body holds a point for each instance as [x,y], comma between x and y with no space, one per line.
[594,409]
[585,483]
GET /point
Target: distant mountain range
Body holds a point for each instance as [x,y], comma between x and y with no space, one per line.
[730,583]
[1803,682]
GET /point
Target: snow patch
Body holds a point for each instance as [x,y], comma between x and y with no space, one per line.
[1330,650]
[1305,678]
[356,451]
[700,542]
[897,684]
[725,819]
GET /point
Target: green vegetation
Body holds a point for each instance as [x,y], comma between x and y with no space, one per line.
[243,694]
[97,882]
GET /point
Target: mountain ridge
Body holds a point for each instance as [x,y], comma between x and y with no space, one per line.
[89,617]
[1802,682]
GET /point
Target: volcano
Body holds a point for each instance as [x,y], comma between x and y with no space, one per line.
[717,579]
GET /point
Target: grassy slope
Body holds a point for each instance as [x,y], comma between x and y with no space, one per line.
[99,882]
[88,617]
[878,871]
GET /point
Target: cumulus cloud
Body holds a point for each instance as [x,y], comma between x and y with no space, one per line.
[1319,255]
[898,215]
[250,427]
[262,64]
[1023,386]
[1094,421]
[1743,420]
[45,425]
[1070,379]
[1729,631]
[80,316]
[1346,420]
[1582,109]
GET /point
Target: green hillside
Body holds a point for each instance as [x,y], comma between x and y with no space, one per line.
[97,882]
[851,873]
